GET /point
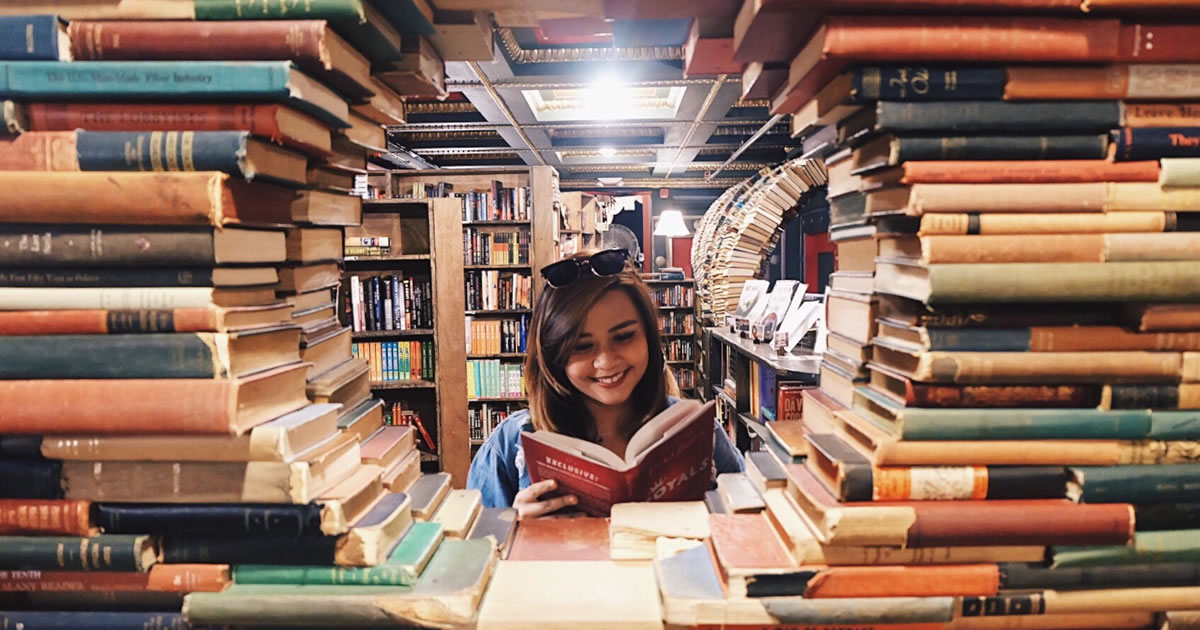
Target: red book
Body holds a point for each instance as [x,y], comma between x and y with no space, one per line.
[668,459]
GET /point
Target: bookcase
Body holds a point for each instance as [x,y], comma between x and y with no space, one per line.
[676,300]
[505,221]
[577,226]
[404,320]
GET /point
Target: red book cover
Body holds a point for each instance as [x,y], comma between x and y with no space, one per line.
[668,459]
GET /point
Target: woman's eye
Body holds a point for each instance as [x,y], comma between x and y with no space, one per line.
[583,347]
[623,337]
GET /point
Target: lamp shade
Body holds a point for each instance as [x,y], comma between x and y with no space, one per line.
[670,223]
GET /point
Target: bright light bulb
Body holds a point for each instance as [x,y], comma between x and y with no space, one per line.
[607,151]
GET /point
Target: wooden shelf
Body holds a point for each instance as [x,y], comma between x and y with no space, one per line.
[468,267]
[498,355]
[417,384]
[684,281]
[492,223]
[663,334]
[681,363]
[392,201]
[676,308]
[475,442]
[569,232]
[502,311]
[498,400]
[385,334]
[802,367]
[399,258]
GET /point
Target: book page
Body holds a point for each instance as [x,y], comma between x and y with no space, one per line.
[580,448]
[658,426]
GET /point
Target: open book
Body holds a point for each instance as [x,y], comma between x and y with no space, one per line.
[668,459]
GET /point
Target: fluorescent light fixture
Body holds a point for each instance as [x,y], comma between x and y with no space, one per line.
[607,151]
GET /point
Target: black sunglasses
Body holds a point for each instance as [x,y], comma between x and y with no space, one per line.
[609,262]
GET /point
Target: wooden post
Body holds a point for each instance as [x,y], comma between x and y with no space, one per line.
[446,240]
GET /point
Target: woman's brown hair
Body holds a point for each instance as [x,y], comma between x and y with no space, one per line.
[554,403]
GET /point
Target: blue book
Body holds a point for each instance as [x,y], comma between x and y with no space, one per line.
[33,37]
[175,81]
[93,620]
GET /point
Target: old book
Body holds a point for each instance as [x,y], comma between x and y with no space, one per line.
[305,278]
[1039,198]
[385,107]
[739,493]
[276,81]
[130,406]
[348,384]
[110,552]
[371,540]
[1033,339]
[941,523]
[170,355]
[200,198]
[1133,81]
[1140,483]
[362,420]
[279,123]
[404,472]
[427,493]
[52,245]
[171,578]
[764,471]
[497,523]
[310,44]
[1027,248]
[365,133]
[233,152]
[751,557]
[910,393]
[354,495]
[1013,172]
[39,517]
[600,479]
[198,482]
[448,593]
[981,117]
[617,596]
[387,446]
[34,37]
[458,512]
[1054,602]
[633,527]
[282,439]
[799,536]
[239,520]
[422,71]
[581,538]
[1055,223]
[1033,577]
[1147,547]
[322,207]
[127,277]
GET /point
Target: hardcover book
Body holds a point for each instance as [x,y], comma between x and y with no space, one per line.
[668,459]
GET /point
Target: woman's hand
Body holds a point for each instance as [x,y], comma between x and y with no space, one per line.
[528,506]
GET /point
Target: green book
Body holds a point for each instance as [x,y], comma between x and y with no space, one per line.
[356,21]
[112,552]
[1181,545]
[403,566]
[1143,483]
[447,594]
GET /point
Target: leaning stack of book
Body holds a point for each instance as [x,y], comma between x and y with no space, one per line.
[1015,319]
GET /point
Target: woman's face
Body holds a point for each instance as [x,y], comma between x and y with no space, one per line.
[611,355]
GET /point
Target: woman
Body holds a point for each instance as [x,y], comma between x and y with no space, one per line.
[594,370]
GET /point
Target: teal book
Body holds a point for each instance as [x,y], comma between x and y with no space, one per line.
[175,81]
[402,568]
[355,20]
[1180,545]
[918,424]
[114,552]
[447,594]
[1145,483]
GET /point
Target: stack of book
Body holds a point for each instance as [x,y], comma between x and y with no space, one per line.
[740,228]
[1014,320]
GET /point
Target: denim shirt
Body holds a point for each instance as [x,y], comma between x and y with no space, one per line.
[499,470]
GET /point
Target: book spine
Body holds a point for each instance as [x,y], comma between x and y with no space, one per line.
[915,581]
[222,151]
[48,245]
[201,550]
[1024,424]
[21,446]
[39,151]
[1032,282]
[117,406]
[982,117]
[256,40]
[926,83]
[126,298]
[864,610]
[109,552]
[30,478]
[350,11]
[1023,576]
[1058,339]
[952,523]
[112,198]
[112,356]
[364,576]
[1062,147]
[273,520]
[1143,43]
[143,79]
[1146,143]
[107,277]
[1072,223]
[259,120]
[918,483]
[29,37]
[13,119]
[1028,171]
[94,619]
[64,518]
[1148,547]
[1004,40]
[1140,483]
[968,396]
[1181,172]
[1143,396]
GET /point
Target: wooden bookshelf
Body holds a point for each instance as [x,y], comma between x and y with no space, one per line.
[676,303]
[580,210]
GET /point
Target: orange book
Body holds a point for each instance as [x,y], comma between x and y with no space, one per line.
[32,516]
[1024,171]
[170,578]
[100,322]
[905,581]
[583,538]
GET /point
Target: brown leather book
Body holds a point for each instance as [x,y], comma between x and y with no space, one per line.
[152,405]
[958,580]
[1135,81]
[581,538]
[196,198]
[310,44]
[1015,172]
[98,321]
[24,517]
[171,578]
[278,123]
[949,523]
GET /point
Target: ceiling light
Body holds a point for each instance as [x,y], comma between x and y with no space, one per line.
[610,181]
[607,151]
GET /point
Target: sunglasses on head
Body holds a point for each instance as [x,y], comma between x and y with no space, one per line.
[609,262]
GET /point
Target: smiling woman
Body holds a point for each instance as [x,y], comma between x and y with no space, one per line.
[595,371]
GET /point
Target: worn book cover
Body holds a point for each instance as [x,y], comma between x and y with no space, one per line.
[668,459]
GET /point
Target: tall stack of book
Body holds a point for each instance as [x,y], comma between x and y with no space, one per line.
[1014,320]
[740,228]
[180,400]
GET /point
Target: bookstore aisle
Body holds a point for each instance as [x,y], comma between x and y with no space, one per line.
[945,296]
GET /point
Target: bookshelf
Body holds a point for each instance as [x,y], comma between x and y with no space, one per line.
[577,223]
[676,301]
[499,246]
[416,347]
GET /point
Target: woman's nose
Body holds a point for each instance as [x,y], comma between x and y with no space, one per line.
[605,358]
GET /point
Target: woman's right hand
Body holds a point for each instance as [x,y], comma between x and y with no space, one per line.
[528,504]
